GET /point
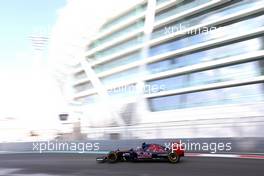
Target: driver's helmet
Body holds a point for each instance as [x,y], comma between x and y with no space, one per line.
[144,145]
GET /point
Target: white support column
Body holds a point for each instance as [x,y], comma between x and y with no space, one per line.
[102,92]
[142,107]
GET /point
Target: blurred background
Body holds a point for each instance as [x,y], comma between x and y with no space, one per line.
[134,69]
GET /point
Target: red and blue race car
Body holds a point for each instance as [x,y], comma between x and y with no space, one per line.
[146,152]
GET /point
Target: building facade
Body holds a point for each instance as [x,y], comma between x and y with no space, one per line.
[174,68]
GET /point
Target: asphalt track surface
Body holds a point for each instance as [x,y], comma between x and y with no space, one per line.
[85,165]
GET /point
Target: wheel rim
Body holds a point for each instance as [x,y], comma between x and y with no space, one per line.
[112,157]
[173,157]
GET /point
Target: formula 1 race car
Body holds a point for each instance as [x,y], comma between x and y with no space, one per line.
[148,152]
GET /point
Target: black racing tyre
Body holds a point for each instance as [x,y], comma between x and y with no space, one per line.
[112,157]
[173,158]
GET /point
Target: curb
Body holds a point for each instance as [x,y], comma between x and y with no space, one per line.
[243,156]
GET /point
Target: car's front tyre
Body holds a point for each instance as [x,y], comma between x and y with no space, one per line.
[173,158]
[112,157]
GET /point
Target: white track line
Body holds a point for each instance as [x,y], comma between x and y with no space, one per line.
[244,156]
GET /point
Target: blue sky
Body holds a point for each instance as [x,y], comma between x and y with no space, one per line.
[18,20]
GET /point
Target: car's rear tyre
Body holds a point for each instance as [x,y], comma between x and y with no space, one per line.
[173,158]
[112,157]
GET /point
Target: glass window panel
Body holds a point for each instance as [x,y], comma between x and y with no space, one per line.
[121,76]
[228,73]
[83,87]
[80,75]
[165,103]
[178,8]
[88,99]
[233,95]
[117,48]
[204,98]
[166,84]
[206,16]
[117,34]
[139,9]
[117,62]
[243,94]
[225,31]
[207,55]
[161,1]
